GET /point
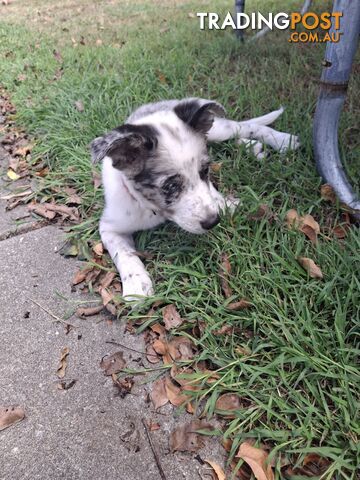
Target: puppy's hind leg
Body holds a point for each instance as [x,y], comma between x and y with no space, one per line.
[136,281]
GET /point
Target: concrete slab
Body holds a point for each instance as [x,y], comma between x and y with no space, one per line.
[86,432]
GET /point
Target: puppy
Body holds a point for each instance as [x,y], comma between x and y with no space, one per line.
[155,168]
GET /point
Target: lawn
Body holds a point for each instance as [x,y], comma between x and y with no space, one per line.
[292,357]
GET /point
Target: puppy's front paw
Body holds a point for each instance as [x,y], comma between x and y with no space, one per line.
[137,285]
[289,142]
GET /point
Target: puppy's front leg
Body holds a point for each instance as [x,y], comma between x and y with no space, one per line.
[135,279]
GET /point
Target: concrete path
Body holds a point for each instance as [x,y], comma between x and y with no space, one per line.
[86,432]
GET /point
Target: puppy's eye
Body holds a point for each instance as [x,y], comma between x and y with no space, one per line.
[204,172]
[172,188]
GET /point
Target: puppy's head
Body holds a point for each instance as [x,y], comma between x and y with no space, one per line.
[165,160]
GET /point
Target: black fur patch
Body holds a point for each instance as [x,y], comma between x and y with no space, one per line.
[172,188]
[200,118]
[129,147]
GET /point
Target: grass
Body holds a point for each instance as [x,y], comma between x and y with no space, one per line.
[298,370]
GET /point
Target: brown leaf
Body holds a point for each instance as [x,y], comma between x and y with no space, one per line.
[174,393]
[217,469]
[313,466]
[224,273]
[186,439]
[98,249]
[328,193]
[23,151]
[216,167]
[79,106]
[151,355]
[152,426]
[113,363]
[158,393]
[256,458]
[239,305]
[97,181]
[107,280]
[81,275]
[42,210]
[63,385]
[171,317]
[89,311]
[263,211]
[106,296]
[306,224]
[311,267]
[228,402]
[10,415]
[63,363]
[124,385]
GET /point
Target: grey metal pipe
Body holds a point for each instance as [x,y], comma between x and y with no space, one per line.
[334,81]
[239,8]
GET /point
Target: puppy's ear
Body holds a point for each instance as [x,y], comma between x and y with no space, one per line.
[199,115]
[129,147]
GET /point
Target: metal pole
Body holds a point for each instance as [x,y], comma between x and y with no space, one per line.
[334,81]
[239,8]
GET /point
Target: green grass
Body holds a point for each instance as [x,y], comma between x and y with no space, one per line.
[300,377]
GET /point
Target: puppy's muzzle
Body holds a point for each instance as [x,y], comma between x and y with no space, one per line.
[210,222]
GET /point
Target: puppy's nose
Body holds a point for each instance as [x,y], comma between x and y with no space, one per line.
[210,222]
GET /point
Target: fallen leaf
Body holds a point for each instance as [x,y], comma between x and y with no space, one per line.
[89,311]
[12,175]
[10,415]
[107,280]
[311,267]
[186,439]
[328,193]
[23,151]
[81,275]
[63,362]
[152,426]
[239,305]
[228,402]
[306,224]
[158,393]
[98,249]
[174,393]
[63,385]
[224,273]
[124,385]
[217,469]
[161,77]
[106,296]
[113,363]
[79,106]
[313,466]
[216,167]
[263,211]
[171,317]
[256,458]
[151,355]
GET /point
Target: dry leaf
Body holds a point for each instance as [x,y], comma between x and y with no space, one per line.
[98,249]
[224,273]
[89,311]
[328,193]
[124,385]
[12,175]
[113,363]
[10,415]
[239,305]
[216,167]
[81,275]
[63,363]
[256,458]
[79,106]
[174,394]
[106,296]
[311,267]
[171,317]
[63,385]
[263,211]
[107,280]
[186,439]
[306,224]
[152,426]
[158,393]
[58,56]
[217,469]
[151,355]
[313,466]
[23,151]
[228,402]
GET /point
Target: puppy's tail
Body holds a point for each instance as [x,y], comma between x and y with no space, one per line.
[266,119]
